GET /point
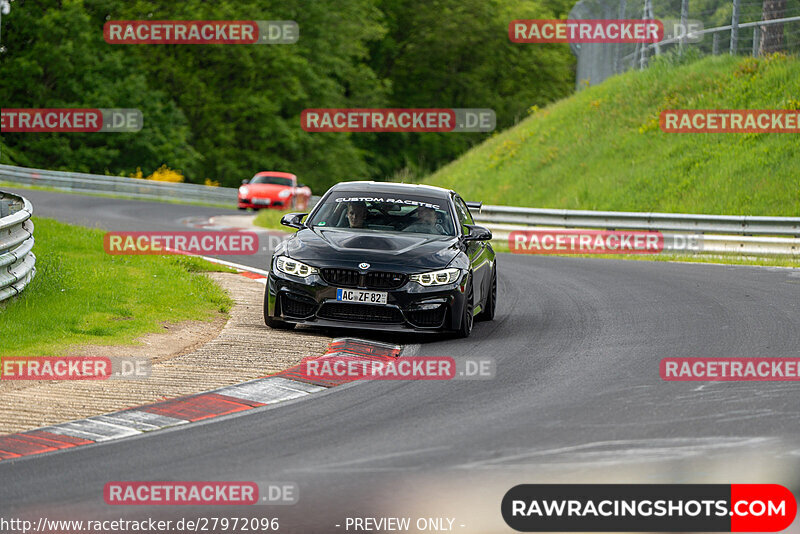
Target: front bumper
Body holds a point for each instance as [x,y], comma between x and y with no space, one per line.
[263,203]
[410,308]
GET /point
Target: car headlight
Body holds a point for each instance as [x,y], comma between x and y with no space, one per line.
[285,193]
[287,265]
[437,278]
[243,191]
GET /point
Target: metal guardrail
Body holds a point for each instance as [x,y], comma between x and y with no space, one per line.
[17,262]
[132,187]
[783,227]
[621,220]
[752,236]
[757,25]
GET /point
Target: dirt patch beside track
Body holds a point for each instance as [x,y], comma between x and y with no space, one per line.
[187,358]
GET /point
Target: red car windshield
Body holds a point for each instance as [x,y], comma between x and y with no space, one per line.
[277,180]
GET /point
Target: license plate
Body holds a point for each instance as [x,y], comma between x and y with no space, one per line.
[261,201]
[358,295]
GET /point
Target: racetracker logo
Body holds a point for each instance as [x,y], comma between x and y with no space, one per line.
[585,242]
[74,368]
[71,120]
[649,508]
[201,32]
[342,368]
[187,243]
[201,493]
[730,121]
[586,31]
[398,120]
[601,242]
[357,368]
[731,369]
[188,493]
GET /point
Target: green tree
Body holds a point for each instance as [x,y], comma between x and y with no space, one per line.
[56,58]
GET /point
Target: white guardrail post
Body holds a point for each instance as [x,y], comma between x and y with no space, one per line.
[17,262]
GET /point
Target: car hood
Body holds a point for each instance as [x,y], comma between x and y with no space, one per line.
[266,190]
[396,252]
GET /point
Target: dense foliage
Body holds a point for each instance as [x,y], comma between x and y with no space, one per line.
[223,112]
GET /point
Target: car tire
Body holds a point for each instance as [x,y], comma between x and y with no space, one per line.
[487,313]
[242,209]
[467,319]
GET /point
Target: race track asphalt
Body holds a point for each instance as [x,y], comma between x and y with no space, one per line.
[577,398]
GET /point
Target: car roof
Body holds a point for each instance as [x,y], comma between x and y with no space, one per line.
[391,188]
[276,173]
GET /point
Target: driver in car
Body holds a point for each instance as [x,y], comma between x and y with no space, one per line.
[425,222]
[356,214]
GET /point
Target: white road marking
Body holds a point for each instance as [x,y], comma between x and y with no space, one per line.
[270,390]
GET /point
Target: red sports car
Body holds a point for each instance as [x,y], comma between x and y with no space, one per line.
[272,189]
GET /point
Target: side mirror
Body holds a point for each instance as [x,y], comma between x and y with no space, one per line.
[478,233]
[295,220]
[245,182]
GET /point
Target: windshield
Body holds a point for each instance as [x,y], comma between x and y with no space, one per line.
[386,213]
[277,180]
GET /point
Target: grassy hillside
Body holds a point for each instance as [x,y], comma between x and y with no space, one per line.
[602,149]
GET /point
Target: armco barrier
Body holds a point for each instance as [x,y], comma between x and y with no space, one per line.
[779,227]
[17,262]
[746,235]
[131,187]
[621,220]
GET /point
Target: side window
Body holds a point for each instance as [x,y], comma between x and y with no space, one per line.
[464,216]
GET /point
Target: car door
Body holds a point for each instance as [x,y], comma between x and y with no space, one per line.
[476,250]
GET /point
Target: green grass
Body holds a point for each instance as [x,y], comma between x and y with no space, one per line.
[81,295]
[271,219]
[602,149]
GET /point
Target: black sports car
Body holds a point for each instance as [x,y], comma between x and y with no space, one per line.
[384,256]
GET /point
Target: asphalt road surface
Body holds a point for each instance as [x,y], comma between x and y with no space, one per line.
[577,398]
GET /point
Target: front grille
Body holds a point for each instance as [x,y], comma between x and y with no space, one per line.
[369,280]
[378,280]
[427,317]
[293,307]
[340,277]
[365,313]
